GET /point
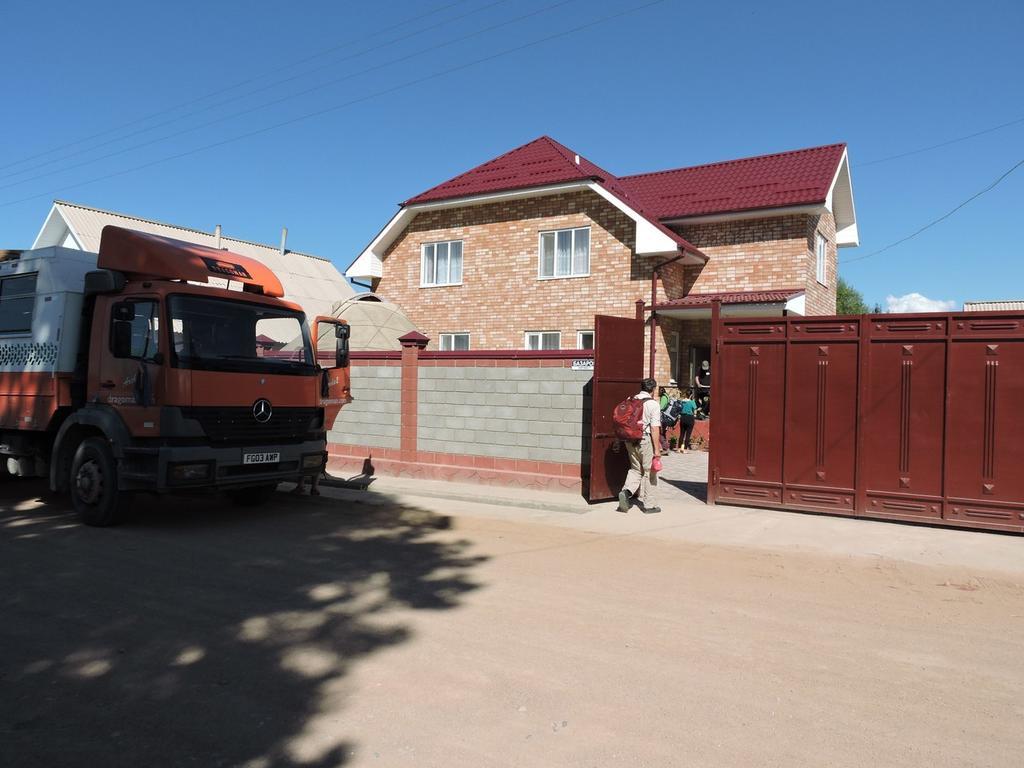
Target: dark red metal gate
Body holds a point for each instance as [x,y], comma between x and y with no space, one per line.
[618,370]
[906,417]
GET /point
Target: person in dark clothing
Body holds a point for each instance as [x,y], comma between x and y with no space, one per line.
[703,386]
[686,421]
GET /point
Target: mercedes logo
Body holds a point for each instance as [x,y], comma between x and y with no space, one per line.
[262,410]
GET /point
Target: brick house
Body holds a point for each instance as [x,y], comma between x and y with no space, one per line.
[523,250]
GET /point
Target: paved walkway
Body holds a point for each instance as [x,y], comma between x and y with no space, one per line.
[684,479]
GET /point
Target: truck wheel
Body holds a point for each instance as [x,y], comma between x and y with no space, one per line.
[93,483]
[253,496]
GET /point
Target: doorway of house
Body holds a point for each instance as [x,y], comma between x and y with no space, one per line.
[698,354]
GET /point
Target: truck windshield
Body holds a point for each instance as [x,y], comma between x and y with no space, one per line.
[229,335]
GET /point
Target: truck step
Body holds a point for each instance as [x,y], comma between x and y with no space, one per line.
[136,475]
[137,450]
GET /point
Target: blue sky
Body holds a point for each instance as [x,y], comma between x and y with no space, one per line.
[668,85]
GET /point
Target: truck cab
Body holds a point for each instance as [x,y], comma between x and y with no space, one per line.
[175,386]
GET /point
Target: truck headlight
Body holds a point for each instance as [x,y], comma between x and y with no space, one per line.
[190,472]
[313,461]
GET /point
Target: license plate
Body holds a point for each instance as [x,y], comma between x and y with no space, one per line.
[261,458]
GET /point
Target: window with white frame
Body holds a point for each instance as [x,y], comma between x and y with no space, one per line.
[564,253]
[584,339]
[821,250]
[543,340]
[441,263]
[454,342]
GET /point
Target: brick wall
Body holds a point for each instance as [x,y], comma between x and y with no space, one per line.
[696,332]
[821,299]
[501,297]
[764,254]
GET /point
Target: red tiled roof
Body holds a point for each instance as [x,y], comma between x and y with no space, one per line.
[541,162]
[733,297]
[799,177]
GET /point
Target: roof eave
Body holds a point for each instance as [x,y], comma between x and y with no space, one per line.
[810,207]
[652,238]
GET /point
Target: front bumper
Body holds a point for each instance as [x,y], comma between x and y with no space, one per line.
[226,469]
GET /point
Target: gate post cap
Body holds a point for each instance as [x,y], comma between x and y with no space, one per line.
[414,339]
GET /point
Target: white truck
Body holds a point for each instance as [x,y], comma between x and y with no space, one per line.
[125,371]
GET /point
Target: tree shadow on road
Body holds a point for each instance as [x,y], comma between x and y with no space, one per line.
[204,634]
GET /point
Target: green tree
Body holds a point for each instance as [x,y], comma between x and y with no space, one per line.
[849,300]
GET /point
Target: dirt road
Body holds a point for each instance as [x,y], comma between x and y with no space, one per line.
[327,633]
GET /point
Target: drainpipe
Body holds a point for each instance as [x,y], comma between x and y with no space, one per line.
[654,321]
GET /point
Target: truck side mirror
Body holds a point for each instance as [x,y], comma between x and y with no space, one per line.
[121,340]
[341,334]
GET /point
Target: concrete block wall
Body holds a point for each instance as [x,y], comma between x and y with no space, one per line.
[492,417]
[537,414]
[373,418]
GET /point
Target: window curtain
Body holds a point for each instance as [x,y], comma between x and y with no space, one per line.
[455,263]
[581,252]
[547,254]
[427,272]
[563,254]
[441,251]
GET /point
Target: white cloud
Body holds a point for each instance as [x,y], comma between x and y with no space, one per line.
[915,302]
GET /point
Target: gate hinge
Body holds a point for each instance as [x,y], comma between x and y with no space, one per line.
[714,476]
[718,345]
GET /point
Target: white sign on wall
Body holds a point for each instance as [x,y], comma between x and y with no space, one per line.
[583,365]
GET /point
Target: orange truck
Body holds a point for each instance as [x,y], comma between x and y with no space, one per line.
[144,368]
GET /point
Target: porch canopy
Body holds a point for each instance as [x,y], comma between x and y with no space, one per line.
[697,306]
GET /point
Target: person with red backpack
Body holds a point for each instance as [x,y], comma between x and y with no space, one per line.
[638,424]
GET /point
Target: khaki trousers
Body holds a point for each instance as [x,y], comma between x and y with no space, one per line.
[641,455]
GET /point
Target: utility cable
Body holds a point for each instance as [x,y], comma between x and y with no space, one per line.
[217,105]
[941,144]
[351,102]
[943,217]
[239,84]
[430,49]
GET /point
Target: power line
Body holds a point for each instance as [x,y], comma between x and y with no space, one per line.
[941,144]
[430,49]
[351,102]
[239,84]
[224,102]
[943,217]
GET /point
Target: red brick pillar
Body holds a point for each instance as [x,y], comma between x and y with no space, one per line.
[411,343]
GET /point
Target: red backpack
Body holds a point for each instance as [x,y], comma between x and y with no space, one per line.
[629,419]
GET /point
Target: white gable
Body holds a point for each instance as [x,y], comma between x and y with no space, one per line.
[310,281]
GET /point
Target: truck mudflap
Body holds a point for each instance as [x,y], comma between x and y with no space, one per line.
[173,468]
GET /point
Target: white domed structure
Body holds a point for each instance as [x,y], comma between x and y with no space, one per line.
[375,322]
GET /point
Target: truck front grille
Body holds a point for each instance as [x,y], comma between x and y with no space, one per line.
[237,425]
